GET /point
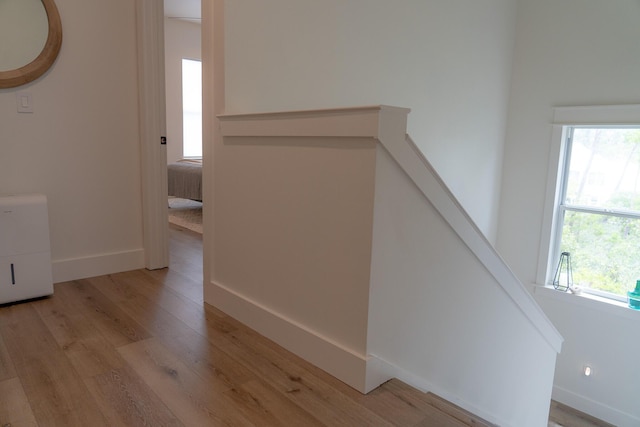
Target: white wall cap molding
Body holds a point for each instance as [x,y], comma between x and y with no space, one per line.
[325,112]
[338,122]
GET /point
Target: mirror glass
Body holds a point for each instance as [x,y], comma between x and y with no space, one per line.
[23,31]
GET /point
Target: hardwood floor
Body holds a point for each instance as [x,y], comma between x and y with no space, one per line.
[141,349]
[564,416]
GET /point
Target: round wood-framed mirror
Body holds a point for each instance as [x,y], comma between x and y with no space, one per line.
[49,53]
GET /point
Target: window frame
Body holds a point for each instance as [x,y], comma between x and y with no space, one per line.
[565,120]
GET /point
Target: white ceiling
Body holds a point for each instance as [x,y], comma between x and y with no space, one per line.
[182,9]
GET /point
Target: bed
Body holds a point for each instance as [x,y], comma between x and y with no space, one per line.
[185,179]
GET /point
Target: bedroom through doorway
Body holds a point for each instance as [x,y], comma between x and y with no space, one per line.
[183,80]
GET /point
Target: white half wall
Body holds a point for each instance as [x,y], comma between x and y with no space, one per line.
[448,61]
[80,147]
[182,39]
[569,53]
[292,225]
[324,244]
[440,320]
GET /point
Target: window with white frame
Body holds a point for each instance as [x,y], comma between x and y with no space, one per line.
[597,207]
[191,108]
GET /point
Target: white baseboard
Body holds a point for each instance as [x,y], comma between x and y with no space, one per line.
[595,409]
[363,373]
[428,387]
[97,265]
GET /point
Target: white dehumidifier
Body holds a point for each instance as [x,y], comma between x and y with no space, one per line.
[25,250]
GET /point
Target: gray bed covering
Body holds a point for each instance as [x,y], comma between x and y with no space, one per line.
[185,179]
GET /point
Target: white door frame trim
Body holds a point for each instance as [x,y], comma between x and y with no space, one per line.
[213,104]
[152,113]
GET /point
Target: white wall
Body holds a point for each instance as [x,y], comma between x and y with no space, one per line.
[574,52]
[181,40]
[449,61]
[442,320]
[80,146]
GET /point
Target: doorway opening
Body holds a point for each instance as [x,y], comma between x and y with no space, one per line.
[183,88]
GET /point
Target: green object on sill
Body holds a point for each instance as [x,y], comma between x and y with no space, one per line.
[634,297]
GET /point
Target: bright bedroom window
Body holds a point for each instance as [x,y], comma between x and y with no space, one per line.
[597,212]
[191,108]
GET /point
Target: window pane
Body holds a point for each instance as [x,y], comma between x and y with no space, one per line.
[605,250]
[191,108]
[605,168]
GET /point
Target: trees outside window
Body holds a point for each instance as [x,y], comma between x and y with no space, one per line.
[598,214]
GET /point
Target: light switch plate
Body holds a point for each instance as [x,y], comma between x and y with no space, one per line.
[25,102]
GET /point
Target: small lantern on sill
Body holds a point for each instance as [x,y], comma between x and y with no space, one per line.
[563,279]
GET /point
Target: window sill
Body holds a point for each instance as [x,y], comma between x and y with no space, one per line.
[589,301]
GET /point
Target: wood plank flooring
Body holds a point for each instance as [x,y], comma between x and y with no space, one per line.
[564,416]
[140,348]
